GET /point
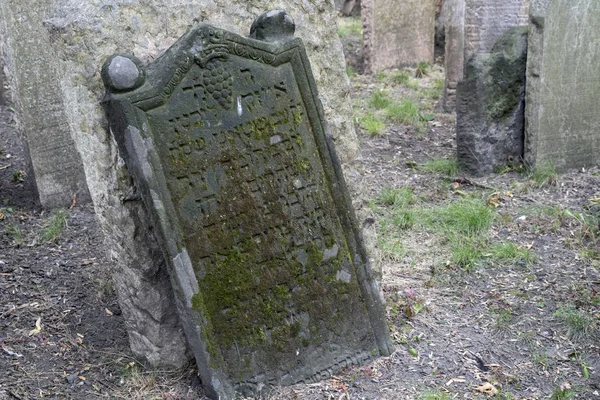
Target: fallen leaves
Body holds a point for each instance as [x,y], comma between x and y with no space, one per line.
[38,327]
[487,388]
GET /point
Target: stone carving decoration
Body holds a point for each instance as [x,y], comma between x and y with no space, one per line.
[226,140]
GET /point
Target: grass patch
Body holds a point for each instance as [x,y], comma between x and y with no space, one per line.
[54,227]
[406,112]
[351,71]
[401,77]
[443,166]
[579,322]
[379,100]
[423,68]
[564,392]
[467,217]
[433,395]
[510,252]
[393,197]
[350,27]
[544,174]
[371,124]
[14,232]
[465,252]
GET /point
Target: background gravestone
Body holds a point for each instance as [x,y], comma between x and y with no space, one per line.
[397,32]
[227,144]
[71,39]
[490,106]
[473,27]
[562,112]
[43,121]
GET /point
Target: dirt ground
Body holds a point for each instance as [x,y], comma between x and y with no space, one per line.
[520,329]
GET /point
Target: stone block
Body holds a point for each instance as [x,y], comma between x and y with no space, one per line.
[226,140]
[562,112]
[490,106]
[397,33]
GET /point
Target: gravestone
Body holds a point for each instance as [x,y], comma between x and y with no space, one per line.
[397,32]
[562,111]
[490,106]
[226,140]
[71,39]
[473,28]
[42,120]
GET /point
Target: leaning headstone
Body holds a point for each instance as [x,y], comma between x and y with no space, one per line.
[71,39]
[562,108]
[397,33]
[226,140]
[490,106]
[472,28]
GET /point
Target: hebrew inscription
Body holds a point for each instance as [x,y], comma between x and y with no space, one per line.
[231,157]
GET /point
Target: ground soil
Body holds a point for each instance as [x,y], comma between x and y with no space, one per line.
[62,334]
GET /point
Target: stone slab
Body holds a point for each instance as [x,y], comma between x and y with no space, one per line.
[226,139]
[397,33]
[562,107]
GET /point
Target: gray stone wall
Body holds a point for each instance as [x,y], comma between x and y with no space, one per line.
[562,110]
[397,32]
[63,43]
[454,52]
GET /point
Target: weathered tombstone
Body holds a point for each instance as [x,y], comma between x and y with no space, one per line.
[473,27]
[562,112]
[490,106]
[397,32]
[71,39]
[226,140]
[43,122]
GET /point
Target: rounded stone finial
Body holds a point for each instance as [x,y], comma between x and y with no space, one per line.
[122,73]
[273,26]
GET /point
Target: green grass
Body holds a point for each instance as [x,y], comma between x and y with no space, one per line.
[379,100]
[351,71]
[372,124]
[350,27]
[401,77]
[579,322]
[423,69]
[564,392]
[467,217]
[433,395]
[405,112]
[443,166]
[54,227]
[465,252]
[14,232]
[511,253]
[394,197]
[544,174]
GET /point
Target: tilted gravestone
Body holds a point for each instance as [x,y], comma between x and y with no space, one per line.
[226,140]
[397,32]
[562,111]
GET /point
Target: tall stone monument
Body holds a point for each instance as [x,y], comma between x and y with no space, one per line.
[227,143]
[397,33]
[562,113]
